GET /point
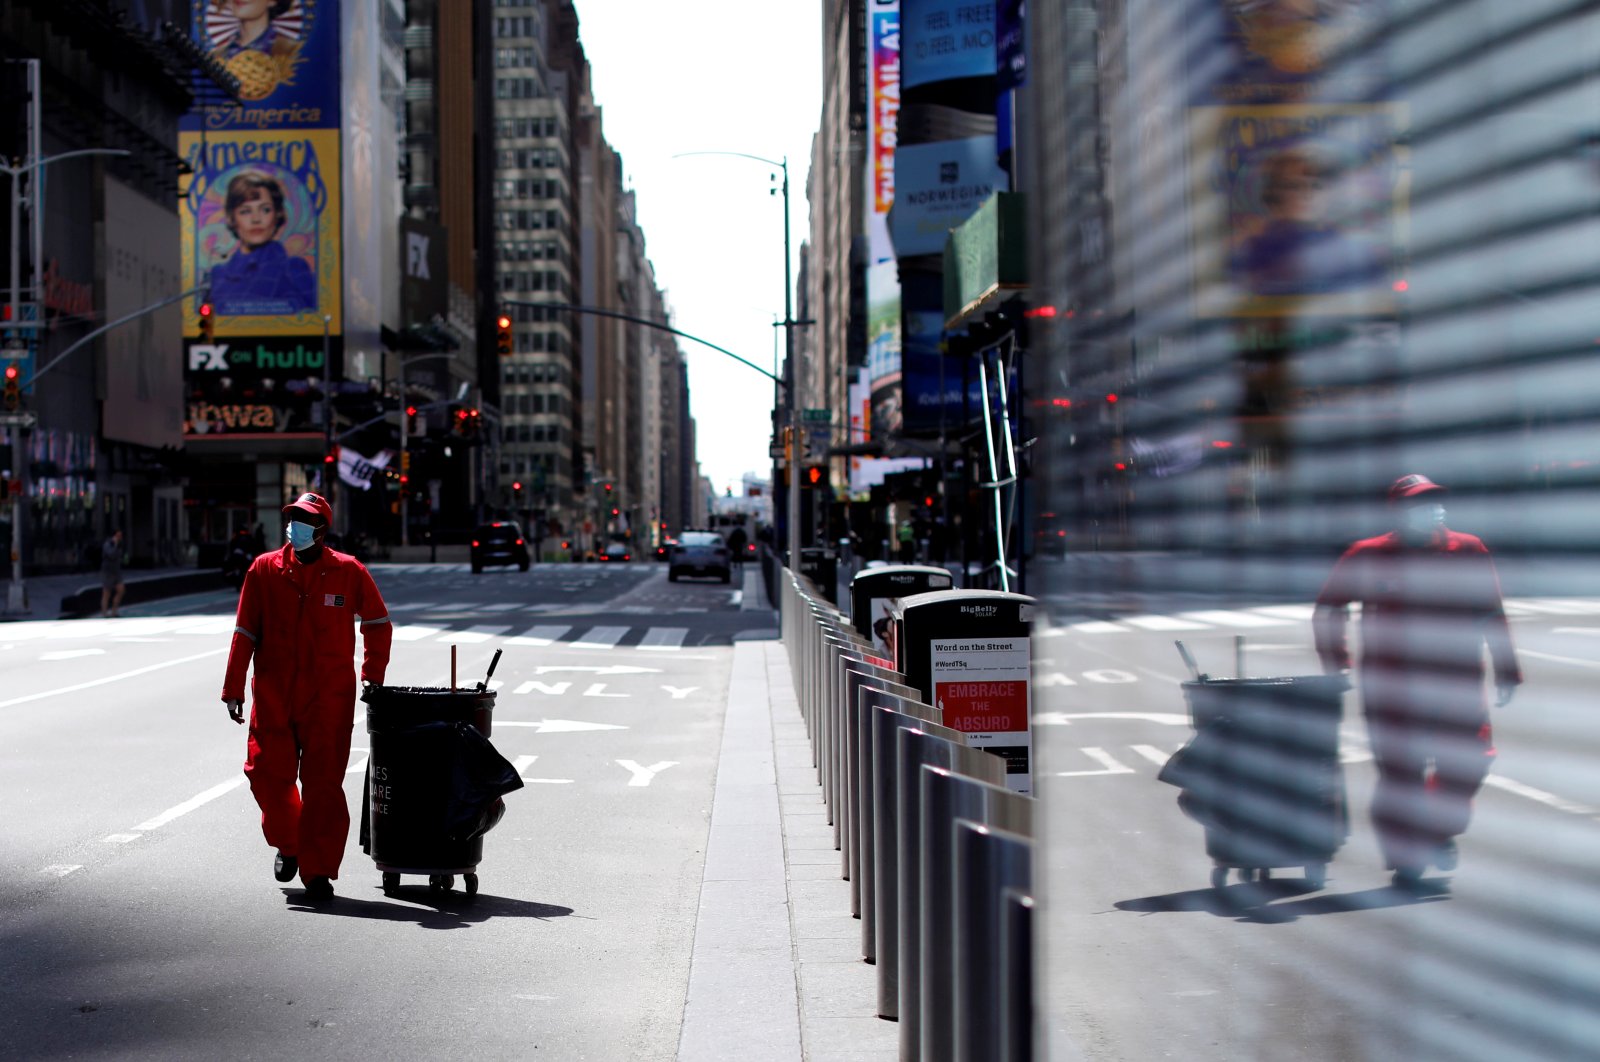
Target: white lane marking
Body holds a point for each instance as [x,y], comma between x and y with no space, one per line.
[1054,678]
[1163,623]
[560,726]
[591,669]
[679,694]
[189,805]
[71,654]
[598,689]
[1572,807]
[1108,764]
[1098,627]
[642,776]
[554,689]
[522,763]
[1301,613]
[600,638]
[472,635]
[1111,676]
[410,606]
[1158,675]
[1066,718]
[1225,618]
[415,632]
[113,678]
[663,639]
[208,625]
[1576,630]
[61,870]
[539,636]
[1153,754]
[121,838]
[503,606]
[1557,607]
[1593,665]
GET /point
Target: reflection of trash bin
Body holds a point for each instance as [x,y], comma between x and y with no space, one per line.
[434,783]
[1262,773]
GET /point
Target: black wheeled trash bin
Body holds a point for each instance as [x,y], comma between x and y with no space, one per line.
[434,783]
[1262,773]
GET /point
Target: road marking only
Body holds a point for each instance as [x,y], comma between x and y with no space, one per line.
[112,678]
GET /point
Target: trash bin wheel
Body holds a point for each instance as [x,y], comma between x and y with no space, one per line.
[442,882]
[1264,874]
[391,882]
[1316,875]
[1247,874]
[471,882]
[1219,877]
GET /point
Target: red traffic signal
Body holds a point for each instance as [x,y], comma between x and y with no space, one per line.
[502,336]
[517,486]
[208,322]
[12,372]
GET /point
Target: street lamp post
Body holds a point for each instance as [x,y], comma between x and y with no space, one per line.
[788,347]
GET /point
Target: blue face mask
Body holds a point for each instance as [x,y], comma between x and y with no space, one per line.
[300,535]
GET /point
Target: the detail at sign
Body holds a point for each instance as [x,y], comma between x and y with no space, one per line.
[980,686]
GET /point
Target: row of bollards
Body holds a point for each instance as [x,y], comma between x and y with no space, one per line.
[934,836]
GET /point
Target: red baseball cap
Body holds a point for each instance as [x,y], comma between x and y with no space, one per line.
[1404,489]
[312,504]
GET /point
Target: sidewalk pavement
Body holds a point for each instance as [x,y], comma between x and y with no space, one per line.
[776,973]
[46,591]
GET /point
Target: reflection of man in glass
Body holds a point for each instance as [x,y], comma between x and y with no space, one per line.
[259,277]
[1297,252]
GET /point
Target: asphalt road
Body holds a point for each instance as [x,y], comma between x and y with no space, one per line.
[1496,960]
[138,913]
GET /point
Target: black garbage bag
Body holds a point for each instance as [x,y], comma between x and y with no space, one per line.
[479,777]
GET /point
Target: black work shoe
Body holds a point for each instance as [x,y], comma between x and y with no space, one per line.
[1447,857]
[319,888]
[285,867]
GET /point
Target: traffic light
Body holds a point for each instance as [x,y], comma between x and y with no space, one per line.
[13,391]
[815,476]
[208,322]
[502,335]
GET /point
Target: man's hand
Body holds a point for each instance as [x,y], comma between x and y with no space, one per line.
[1503,694]
[235,710]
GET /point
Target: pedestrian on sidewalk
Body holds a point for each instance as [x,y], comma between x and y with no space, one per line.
[112,586]
[1430,601]
[298,611]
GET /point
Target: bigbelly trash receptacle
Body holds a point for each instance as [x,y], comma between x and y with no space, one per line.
[434,783]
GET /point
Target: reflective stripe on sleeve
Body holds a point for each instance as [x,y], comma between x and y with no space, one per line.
[247,634]
[374,622]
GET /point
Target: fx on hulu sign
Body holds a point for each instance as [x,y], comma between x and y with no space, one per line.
[265,357]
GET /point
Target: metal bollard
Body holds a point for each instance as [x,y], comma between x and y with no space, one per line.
[946,797]
[863,796]
[1016,977]
[917,754]
[987,862]
[888,715]
[855,674]
[831,648]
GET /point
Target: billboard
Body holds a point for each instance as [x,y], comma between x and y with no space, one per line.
[883,346]
[938,186]
[285,54]
[261,225]
[946,39]
[141,378]
[883,117]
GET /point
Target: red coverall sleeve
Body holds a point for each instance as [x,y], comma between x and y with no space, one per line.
[246,636]
[377,633]
[1497,631]
[1332,615]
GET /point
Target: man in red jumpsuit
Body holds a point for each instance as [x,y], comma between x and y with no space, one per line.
[1430,600]
[297,615]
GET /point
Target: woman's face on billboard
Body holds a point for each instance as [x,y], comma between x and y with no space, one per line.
[250,10]
[255,221]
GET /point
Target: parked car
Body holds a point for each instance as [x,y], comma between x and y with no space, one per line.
[616,552]
[498,543]
[700,553]
[664,551]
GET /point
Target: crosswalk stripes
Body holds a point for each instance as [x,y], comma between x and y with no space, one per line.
[601,638]
[539,636]
[1279,616]
[663,638]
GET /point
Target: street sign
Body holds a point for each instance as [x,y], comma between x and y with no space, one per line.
[775,450]
[817,416]
[14,349]
[18,420]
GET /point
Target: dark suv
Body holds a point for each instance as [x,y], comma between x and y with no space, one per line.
[498,543]
[699,553]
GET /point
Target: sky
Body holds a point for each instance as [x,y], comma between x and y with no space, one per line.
[691,75]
